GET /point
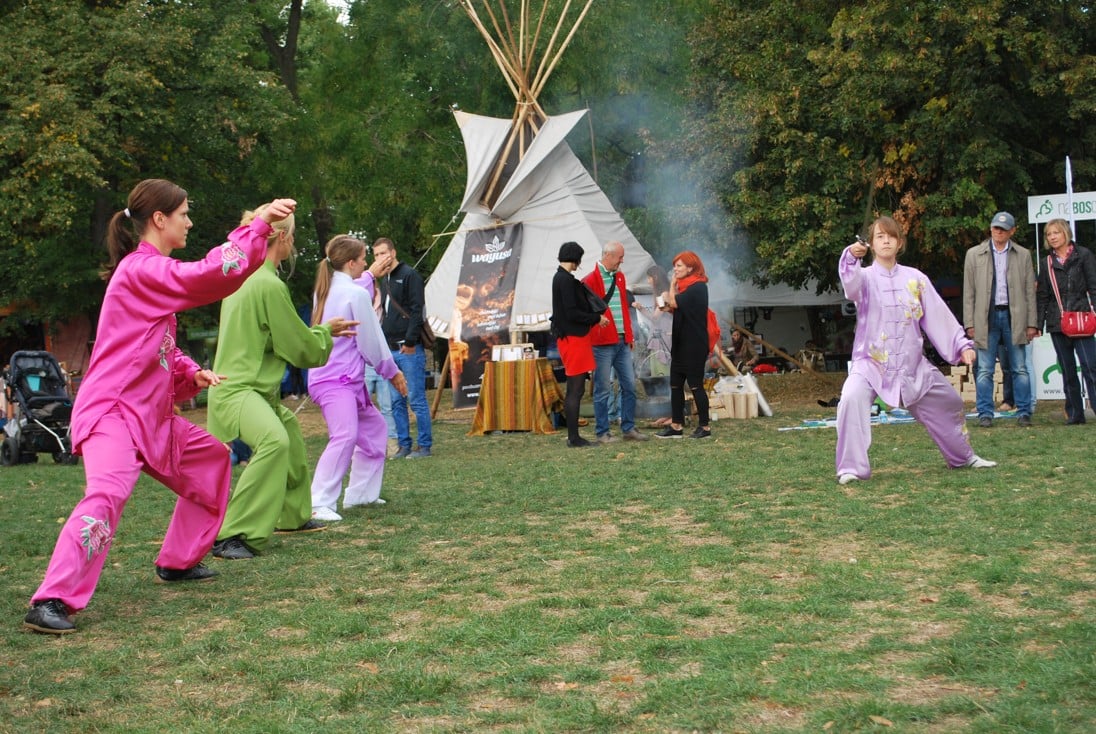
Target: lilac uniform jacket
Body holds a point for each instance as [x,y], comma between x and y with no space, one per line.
[353,300]
[895,310]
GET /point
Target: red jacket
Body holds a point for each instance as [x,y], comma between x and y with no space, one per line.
[604,335]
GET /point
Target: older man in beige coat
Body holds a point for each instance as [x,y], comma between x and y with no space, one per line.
[999,310]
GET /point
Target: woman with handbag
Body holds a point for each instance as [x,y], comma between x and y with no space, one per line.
[1064,297]
[572,318]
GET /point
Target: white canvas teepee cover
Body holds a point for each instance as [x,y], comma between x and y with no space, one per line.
[553,197]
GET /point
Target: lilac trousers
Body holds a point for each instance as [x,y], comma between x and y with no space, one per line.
[112,465]
[358,438]
[940,411]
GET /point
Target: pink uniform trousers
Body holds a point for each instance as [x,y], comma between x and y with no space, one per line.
[112,466]
[939,410]
[358,441]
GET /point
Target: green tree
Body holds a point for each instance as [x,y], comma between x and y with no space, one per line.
[816,116]
[96,96]
[393,156]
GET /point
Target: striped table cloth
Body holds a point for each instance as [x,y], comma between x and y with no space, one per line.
[517,396]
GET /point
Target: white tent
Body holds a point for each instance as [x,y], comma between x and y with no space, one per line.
[521,171]
[739,294]
[554,198]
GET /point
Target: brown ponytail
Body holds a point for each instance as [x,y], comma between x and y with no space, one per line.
[340,249]
[148,197]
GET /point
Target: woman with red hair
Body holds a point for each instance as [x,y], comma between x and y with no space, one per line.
[687,299]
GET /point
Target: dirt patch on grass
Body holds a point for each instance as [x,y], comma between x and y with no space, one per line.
[921,691]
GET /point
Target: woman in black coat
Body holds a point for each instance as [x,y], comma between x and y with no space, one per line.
[687,298]
[1074,271]
[572,319]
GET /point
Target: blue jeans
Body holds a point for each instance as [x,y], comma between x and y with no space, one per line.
[1070,352]
[413,367]
[608,358]
[1000,333]
[377,386]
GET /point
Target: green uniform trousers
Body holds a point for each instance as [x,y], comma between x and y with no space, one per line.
[275,488]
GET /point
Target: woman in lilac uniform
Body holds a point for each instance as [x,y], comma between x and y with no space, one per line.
[357,430]
[123,421]
[896,307]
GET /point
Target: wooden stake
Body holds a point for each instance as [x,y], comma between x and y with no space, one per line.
[782,353]
[441,385]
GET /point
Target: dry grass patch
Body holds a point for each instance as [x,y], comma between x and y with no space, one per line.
[925,691]
[761,713]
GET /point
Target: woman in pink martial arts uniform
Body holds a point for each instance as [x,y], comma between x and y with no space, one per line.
[123,421]
[358,432]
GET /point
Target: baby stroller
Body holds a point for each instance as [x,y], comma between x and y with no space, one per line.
[40,410]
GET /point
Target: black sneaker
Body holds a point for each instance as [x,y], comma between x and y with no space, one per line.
[200,572]
[311,526]
[578,443]
[670,432]
[50,616]
[232,549]
[701,433]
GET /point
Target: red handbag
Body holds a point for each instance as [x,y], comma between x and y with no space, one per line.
[1075,324]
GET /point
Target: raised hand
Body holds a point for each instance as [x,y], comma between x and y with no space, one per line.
[278,210]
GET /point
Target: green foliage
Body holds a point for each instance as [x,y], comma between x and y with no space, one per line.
[93,98]
[766,133]
[817,116]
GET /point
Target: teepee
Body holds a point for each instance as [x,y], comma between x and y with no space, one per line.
[526,191]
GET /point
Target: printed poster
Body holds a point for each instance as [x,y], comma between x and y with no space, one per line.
[481,311]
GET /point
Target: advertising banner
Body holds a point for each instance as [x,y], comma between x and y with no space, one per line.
[1047,381]
[481,312]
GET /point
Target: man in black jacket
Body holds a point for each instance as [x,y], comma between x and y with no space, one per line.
[404,301]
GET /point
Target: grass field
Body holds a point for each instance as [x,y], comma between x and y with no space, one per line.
[512,584]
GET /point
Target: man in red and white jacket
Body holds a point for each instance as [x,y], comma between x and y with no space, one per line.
[613,347]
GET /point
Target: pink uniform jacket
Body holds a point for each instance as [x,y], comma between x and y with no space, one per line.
[136,364]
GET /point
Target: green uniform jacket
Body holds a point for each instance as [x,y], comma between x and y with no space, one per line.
[260,332]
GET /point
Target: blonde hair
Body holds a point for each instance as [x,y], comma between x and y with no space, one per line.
[1062,225]
[339,250]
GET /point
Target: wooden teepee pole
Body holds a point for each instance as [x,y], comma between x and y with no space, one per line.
[539,83]
[509,73]
[515,52]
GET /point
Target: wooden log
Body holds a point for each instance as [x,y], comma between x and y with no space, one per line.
[781,352]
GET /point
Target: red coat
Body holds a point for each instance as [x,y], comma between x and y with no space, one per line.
[604,335]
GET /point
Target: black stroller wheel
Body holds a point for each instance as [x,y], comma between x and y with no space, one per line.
[65,458]
[9,452]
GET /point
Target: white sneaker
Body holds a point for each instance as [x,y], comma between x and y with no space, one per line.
[375,503]
[326,514]
[977,462]
[847,479]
